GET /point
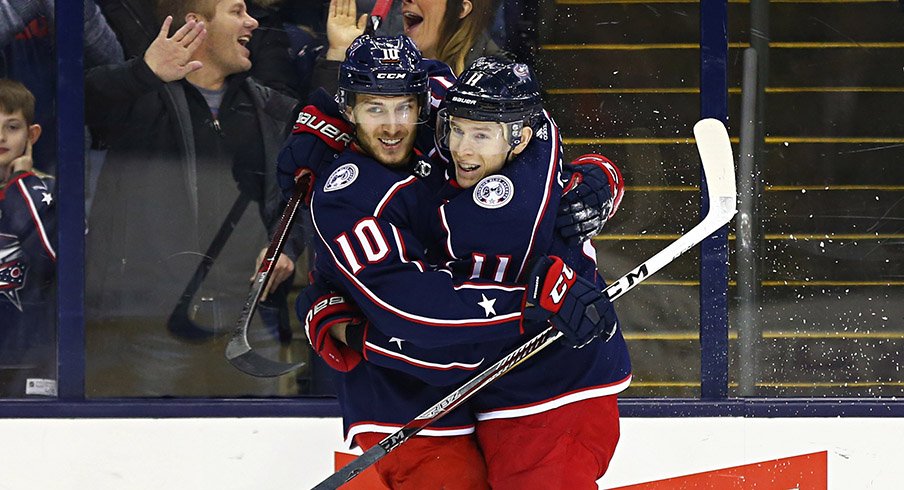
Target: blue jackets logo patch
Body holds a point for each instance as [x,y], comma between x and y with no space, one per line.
[341,178]
[494,192]
[12,269]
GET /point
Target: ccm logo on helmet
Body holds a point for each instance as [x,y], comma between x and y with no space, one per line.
[320,126]
[391,76]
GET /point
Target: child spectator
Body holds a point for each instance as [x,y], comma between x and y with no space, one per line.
[27,253]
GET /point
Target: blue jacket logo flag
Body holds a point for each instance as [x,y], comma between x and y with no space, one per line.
[341,178]
[494,192]
[12,269]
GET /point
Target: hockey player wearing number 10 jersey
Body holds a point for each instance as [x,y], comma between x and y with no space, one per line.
[390,312]
[366,207]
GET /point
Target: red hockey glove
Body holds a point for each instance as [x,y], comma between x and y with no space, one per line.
[321,309]
[594,191]
[574,305]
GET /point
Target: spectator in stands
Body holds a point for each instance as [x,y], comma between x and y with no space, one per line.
[189,133]
[455,32]
[27,253]
[275,50]
[27,55]
[133,21]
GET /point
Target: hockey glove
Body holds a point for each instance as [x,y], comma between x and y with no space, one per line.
[574,305]
[319,135]
[593,193]
[321,309]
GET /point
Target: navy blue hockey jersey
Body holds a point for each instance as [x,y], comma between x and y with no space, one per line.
[368,220]
[490,232]
[27,280]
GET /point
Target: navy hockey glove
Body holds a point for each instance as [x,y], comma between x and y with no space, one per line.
[318,136]
[574,305]
[593,193]
[320,309]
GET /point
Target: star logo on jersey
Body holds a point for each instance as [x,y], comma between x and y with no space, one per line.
[493,192]
[397,341]
[543,133]
[341,178]
[13,269]
[46,198]
[488,305]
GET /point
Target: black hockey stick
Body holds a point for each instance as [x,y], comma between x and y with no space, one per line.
[718,169]
[179,323]
[238,351]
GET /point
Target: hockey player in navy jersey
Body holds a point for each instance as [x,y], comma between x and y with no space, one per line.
[503,147]
[364,206]
[367,213]
[496,216]
[27,253]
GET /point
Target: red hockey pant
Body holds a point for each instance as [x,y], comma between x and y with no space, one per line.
[447,463]
[566,448]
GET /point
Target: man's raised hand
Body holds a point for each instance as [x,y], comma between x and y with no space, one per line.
[169,57]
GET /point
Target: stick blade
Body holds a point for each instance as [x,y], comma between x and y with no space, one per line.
[180,326]
[717,157]
[240,354]
[250,362]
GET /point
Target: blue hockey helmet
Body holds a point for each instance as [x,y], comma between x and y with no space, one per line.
[495,90]
[383,65]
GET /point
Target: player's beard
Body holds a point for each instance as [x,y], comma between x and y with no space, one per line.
[390,157]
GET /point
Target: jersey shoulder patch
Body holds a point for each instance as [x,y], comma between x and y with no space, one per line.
[341,178]
[494,192]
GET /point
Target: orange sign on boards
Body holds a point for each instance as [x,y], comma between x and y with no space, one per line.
[804,472]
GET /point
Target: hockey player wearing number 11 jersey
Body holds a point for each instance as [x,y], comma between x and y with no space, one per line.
[493,222]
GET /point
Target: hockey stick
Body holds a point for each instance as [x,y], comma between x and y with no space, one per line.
[377,14]
[718,168]
[238,351]
[179,323]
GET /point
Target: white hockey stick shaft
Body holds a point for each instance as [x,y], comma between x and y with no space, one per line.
[716,155]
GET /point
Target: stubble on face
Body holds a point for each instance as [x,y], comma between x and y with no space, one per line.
[386,127]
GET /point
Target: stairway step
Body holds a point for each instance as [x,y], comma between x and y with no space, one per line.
[844,212]
[671,22]
[792,164]
[786,261]
[831,361]
[678,67]
[857,211]
[833,114]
